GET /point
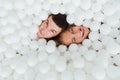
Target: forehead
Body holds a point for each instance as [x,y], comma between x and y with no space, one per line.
[52,24]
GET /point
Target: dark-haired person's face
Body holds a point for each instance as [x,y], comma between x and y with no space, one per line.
[48,29]
[75,34]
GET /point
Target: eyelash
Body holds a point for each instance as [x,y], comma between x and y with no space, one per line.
[71,30]
[73,40]
[52,31]
[47,22]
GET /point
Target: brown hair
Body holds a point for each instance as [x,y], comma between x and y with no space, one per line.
[60,20]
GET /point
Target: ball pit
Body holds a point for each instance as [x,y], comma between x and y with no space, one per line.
[23,57]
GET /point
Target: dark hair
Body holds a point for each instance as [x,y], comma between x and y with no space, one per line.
[60,20]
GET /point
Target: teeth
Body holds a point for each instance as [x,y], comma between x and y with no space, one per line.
[81,33]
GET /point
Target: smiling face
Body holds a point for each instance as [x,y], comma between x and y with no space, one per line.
[48,29]
[74,34]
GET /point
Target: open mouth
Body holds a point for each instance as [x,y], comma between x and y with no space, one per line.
[82,32]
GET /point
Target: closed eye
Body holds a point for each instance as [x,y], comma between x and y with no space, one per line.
[47,22]
[70,30]
[53,31]
[73,40]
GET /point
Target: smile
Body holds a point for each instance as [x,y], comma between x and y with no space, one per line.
[82,32]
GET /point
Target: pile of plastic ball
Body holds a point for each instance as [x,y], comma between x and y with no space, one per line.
[22,57]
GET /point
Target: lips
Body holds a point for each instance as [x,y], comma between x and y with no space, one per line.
[81,32]
[40,33]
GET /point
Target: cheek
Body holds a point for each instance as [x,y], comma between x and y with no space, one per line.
[66,40]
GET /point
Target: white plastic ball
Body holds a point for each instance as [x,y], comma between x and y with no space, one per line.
[5,71]
[78,62]
[3,12]
[33,30]
[97,45]
[46,6]
[10,53]
[12,39]
[113,72]
[42,41]
[21,68]
[17,76]
[66,75]
[51,46]
[118,39]
[98,73]
[53,2]
[102,59]
[85,4]
[114,33]
[73,47]
[34,45]
[88,66]
[82,49]
[87,22]
[19,5]
[24,32]
[102,1]
[70,19]
[51,76]
[80,15]
[8,30]
[25,41]
[106,39]
[76,2]
[29,74]
[55,9]
[79,75]
[29,2]
[42,56]
[93,36]
[62,48]
[65,1]
[69,9]
[87,42]
[3,47]
[60,64]
[112,20]
[52,58]
[32,59]
[43,15]
[90,55]
[96,7]
[8,5]
[89,14]
[109,8]
[99,16]
[62,9]
[44,67]
[116,59]
[113,47]
[1,56]
[27,21]
[95,26]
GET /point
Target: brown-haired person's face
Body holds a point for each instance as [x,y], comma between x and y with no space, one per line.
[48,29]
[75,34]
